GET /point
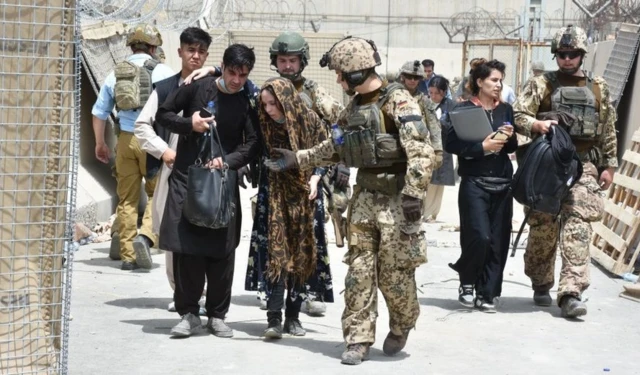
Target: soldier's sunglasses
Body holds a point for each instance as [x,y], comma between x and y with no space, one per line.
[561,55]
[412,78]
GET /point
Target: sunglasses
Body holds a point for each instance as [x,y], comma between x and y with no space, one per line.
[412,78]
[561,55]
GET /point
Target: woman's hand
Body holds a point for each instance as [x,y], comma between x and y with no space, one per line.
[313,186]
[492,145]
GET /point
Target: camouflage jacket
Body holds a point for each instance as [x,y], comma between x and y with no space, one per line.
[322,102]
[414,140]
[429,114]
[538,89]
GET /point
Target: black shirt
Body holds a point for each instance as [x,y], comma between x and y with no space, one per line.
[471,158]
[234,123]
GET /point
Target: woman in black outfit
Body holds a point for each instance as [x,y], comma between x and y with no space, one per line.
[484,202]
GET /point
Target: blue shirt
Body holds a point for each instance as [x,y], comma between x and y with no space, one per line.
[106,98]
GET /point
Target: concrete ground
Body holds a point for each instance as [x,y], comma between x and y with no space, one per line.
[121,326]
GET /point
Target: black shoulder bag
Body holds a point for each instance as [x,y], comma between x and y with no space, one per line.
[208,202]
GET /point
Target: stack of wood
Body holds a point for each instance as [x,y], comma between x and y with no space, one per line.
[615,242]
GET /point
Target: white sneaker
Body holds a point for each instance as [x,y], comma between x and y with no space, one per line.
[187,326]
[314,308]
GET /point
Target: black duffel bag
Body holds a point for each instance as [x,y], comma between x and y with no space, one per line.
[209,202]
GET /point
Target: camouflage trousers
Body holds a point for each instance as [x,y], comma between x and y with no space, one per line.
[384,251]
[582,206]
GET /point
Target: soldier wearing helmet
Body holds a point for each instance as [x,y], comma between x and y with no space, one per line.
[127,88]
[382,133]
[289,55]
[590,121]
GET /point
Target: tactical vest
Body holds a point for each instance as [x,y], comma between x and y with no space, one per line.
[366,141]
[133,84]
[579,101]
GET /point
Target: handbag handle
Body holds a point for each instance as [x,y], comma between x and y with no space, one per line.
[211,144]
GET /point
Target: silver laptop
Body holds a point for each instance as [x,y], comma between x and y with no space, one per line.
[471,124]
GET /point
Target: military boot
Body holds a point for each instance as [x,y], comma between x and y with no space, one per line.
[355,354]
[114,249]
[542,298]
[572,307]
[393,344]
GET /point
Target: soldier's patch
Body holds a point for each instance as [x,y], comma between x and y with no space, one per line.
[401,104]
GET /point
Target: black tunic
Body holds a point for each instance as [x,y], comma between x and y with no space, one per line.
[240,144]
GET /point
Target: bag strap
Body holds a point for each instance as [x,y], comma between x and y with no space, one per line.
[515,243]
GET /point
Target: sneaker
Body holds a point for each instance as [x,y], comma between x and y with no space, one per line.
[355,354]
[171,307]
[219,328]
[274,329]
[542,298]
[114,249]
[484,306]
[142,247]
[187,326]
[465,295]
[262,297]
[293,327]
[393,344]
[572,307]
[314,308]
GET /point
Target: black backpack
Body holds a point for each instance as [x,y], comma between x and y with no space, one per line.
[548,171]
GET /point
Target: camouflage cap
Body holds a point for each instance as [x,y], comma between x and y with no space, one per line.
[412,68]
[570,37]
[537,65]
[351,55]
[144,33]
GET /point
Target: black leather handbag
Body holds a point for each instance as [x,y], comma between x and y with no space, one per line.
[209,202]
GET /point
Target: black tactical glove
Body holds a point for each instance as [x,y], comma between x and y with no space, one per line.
[411,208]
[286,160]
[341,176]
[243,173]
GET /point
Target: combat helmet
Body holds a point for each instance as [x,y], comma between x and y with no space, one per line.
[412,68]
[290,43]
[353,57]
[571,37]
[144,33]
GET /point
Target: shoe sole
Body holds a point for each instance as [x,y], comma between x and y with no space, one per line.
[466,304]
[297,334]
[114,248]
[542,304]
[352,362]
[575,313]
[224,335]
[272,335]
[180,333]
[143,258]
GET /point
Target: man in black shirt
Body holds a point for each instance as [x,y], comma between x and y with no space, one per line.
[200,251]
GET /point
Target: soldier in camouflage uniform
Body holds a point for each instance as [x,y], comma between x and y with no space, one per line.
[594,136]
[385,137]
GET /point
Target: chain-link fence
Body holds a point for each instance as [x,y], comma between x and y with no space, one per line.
[517,54]
[39,93]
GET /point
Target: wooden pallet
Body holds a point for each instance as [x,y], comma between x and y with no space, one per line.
[615,241]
